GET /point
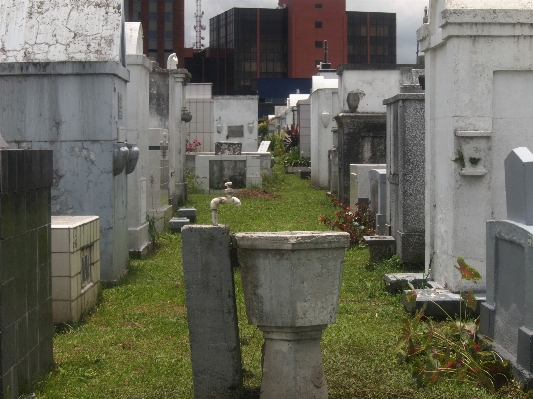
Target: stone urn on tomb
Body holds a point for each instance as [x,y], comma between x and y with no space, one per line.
[291,283]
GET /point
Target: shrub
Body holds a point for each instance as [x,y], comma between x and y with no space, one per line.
[358,223]
[451,349]
[293,158]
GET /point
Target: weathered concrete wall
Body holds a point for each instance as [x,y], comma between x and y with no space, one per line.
[88,30]
[75,109]
[236,111]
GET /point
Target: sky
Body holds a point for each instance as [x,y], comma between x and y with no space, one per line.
[409,14]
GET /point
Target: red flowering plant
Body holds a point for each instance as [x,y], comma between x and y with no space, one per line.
[451,349]
[192,147]
[358,223]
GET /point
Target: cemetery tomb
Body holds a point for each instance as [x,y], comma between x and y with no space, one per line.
[68,94]
[478,84]
[75,266]
[137,123]
[405,170]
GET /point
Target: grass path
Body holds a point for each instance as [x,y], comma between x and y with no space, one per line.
[134,344]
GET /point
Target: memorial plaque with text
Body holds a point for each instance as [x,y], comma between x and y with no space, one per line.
[236,131]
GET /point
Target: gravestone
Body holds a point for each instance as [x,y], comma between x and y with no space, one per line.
[26,329]
[405,170]
[361,140]
[360,183]
[137,135]
[505,315]
[263,147]
[63,83]
[479,81]
[378,199]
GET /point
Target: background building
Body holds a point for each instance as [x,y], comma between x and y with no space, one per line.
[163,27]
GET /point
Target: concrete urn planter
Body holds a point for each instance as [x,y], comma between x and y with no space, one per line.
[291,283]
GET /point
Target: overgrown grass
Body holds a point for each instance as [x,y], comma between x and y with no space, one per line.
[135,345]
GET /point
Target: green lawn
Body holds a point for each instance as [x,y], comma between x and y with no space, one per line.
[134,344]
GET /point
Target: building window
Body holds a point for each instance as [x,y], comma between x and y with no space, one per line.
[318,44]
[318,24]
[318,5]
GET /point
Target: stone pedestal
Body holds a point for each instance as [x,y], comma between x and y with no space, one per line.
[292,363]
[380,247]
[291,283]
[361,139]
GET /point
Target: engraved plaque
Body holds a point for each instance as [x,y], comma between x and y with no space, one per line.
[236,131]
[264,146]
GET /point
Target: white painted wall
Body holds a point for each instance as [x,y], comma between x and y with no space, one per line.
[478,84]
[234,111]
[61,30]
[376,85]
[323,101]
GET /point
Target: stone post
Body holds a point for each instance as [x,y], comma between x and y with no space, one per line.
[211,311]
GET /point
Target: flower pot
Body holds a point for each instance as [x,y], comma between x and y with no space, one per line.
[291,283]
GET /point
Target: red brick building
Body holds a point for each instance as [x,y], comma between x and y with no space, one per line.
[310,22]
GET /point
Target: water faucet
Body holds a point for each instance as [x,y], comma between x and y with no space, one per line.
[228,199]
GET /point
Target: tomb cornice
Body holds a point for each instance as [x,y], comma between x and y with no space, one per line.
[65,68]
[404,96]
[136,59]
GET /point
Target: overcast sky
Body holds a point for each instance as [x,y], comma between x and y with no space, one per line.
[409,14]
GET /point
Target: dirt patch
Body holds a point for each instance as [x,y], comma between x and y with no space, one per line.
[256,193]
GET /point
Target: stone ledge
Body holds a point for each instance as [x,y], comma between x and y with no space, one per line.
[441,303]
